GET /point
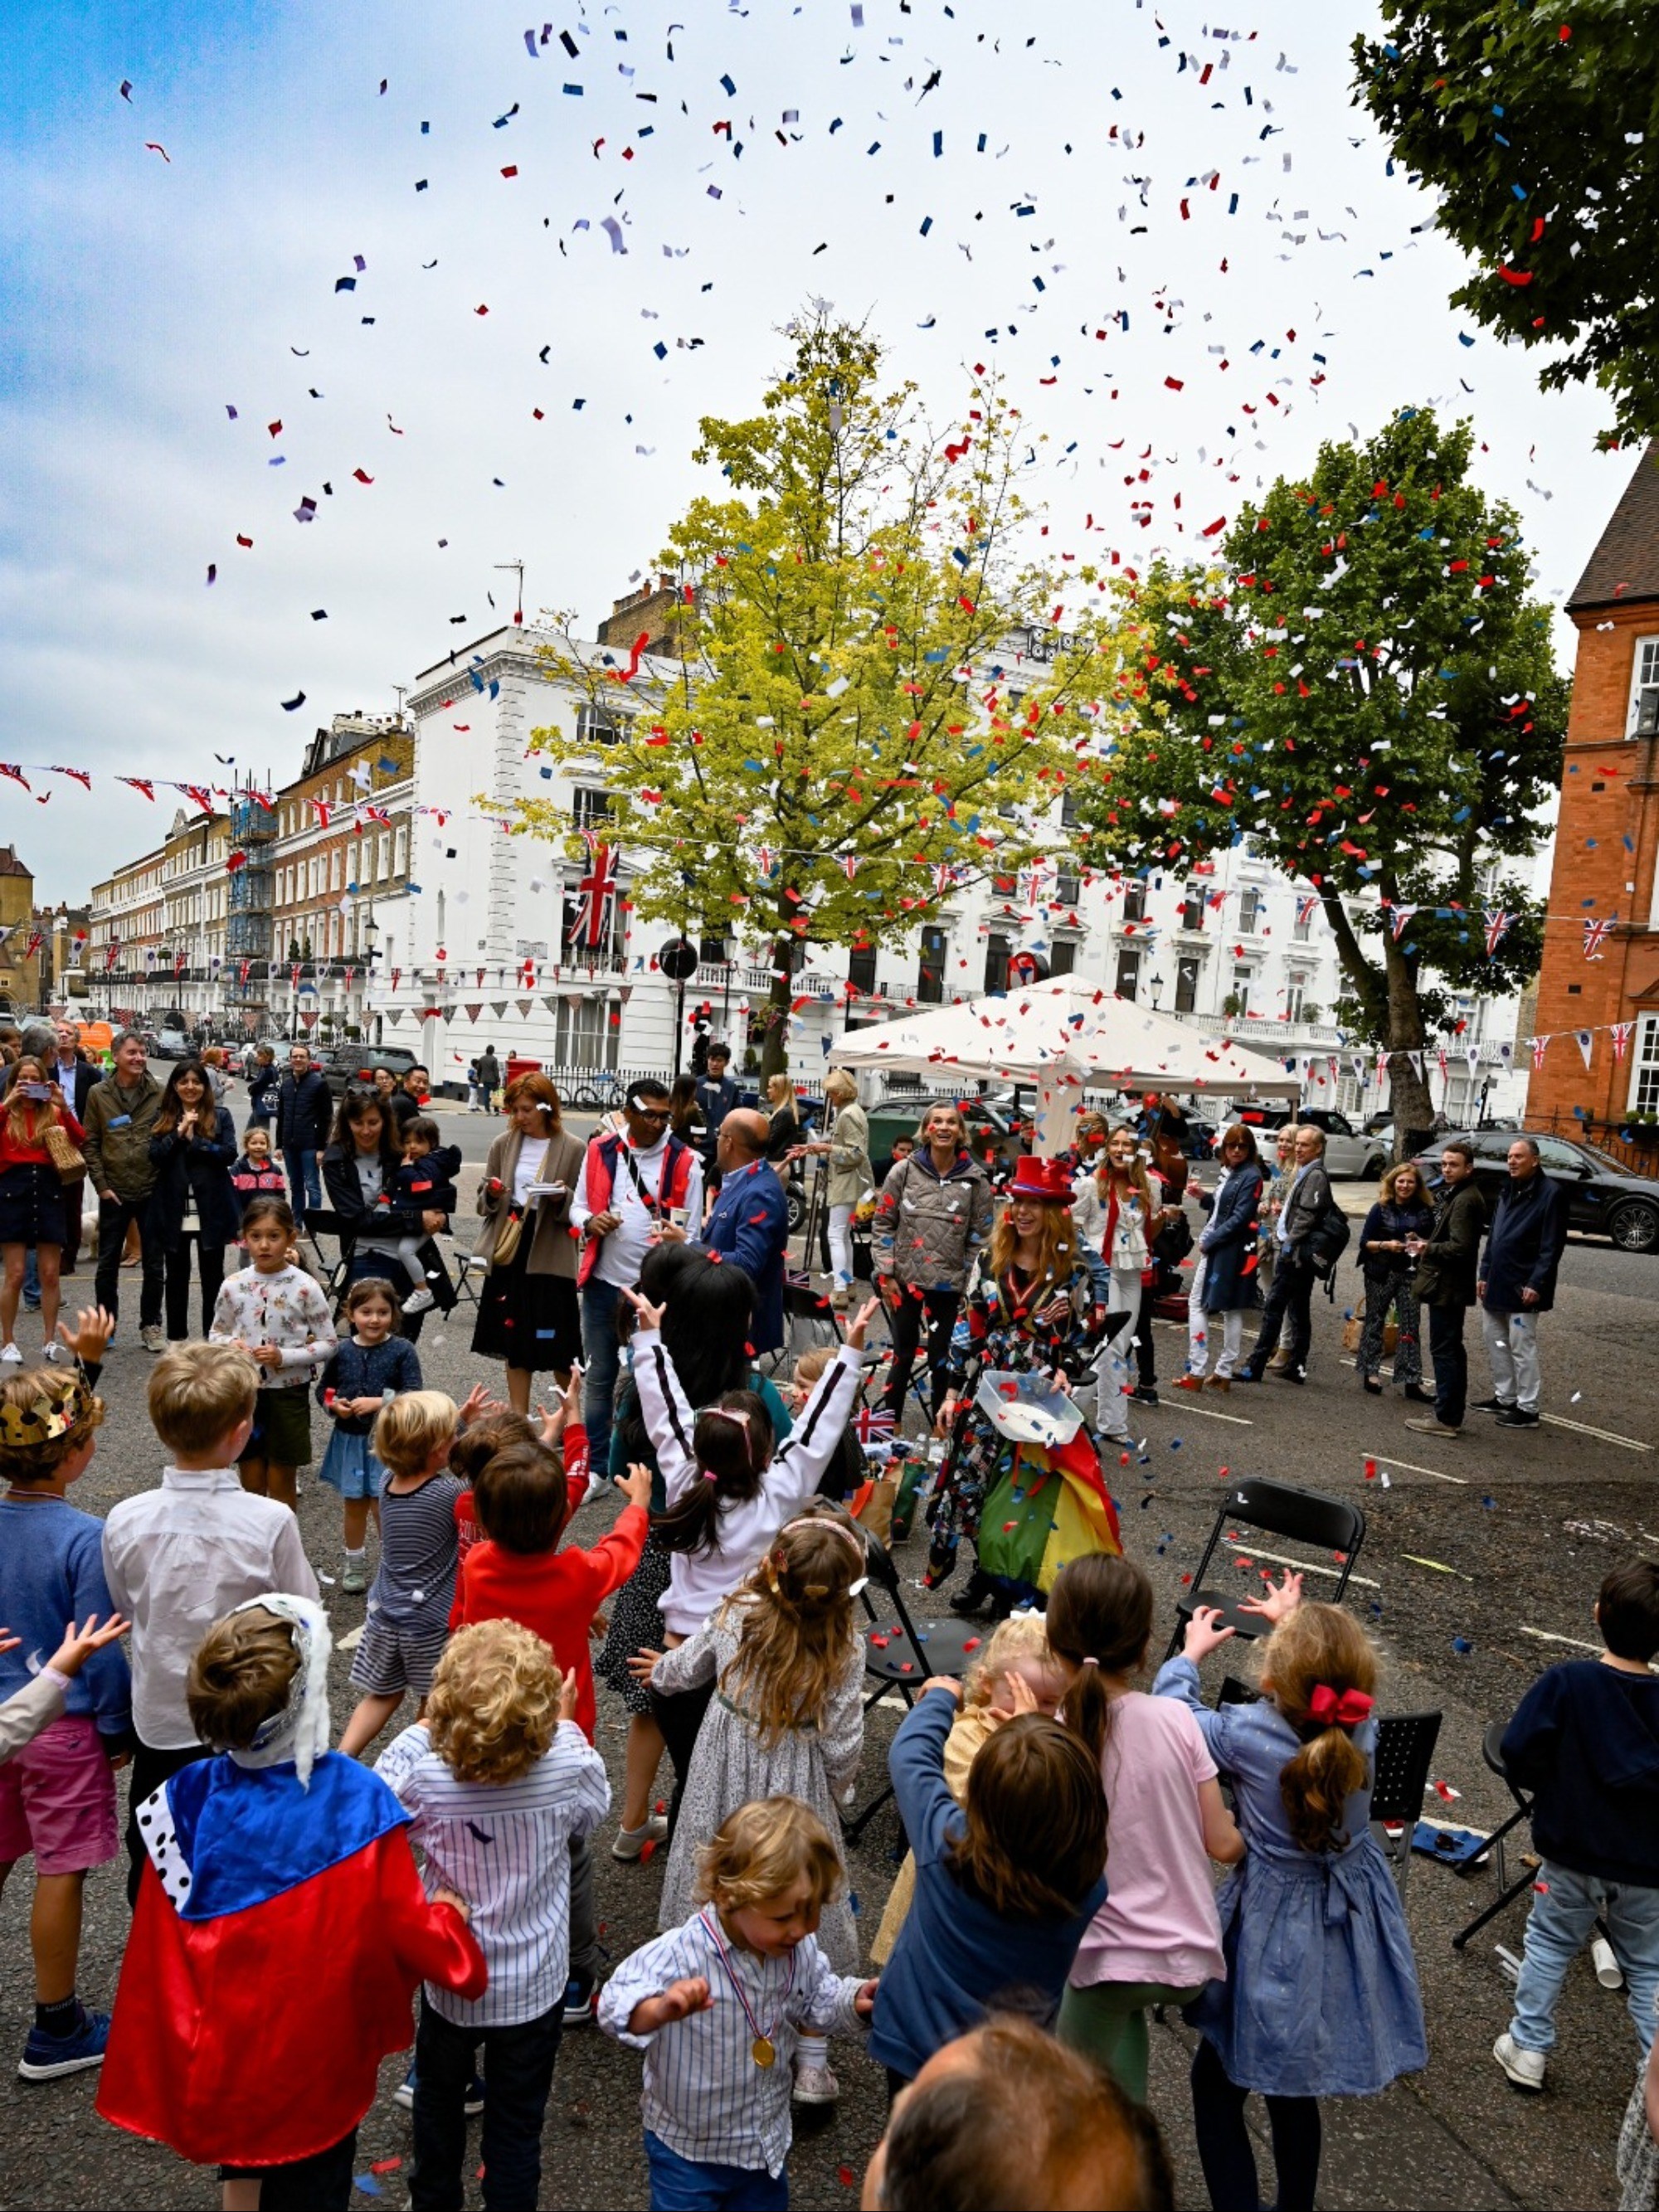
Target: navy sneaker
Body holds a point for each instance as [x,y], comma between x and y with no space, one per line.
[581,2001]
[45,2057]
[475,2097]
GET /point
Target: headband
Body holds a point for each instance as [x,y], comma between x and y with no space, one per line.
[299,1731]
[1332,1711]
[821,1521]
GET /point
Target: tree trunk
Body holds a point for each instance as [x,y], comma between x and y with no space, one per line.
[774,1046]
[1408,1087]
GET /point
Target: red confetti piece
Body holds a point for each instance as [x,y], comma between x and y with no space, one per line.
[385,2166]
[844,2175]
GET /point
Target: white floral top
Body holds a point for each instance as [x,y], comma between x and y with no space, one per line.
[288,1309]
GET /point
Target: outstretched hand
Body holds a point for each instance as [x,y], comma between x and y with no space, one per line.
[1277,1600]
[79,1644]
[1203,1634]
[90,1339]
[861,1321]
[477,1401]
[678,2002]
[650,1316]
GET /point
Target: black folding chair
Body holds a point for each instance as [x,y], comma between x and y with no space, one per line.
[1308,1517]
[1492,1749]
[319,1222]
[1404,1752]
[901,1653]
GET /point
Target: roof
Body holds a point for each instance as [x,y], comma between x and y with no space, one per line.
[1624,565]
[11,866]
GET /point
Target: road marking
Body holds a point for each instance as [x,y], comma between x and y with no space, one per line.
[1302,1566]
[1546,1635]
[1411,1467]
[1606,1435]
[1205,1415]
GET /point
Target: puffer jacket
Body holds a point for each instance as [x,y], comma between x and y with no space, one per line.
[117,1159]
[929,1228]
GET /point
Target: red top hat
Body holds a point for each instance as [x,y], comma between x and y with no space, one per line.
[1049,1180]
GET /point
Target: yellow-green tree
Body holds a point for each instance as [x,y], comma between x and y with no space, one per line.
[850,737]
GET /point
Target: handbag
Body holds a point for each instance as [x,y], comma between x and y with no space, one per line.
[512,1235]
[63,1151]
[1354,1327]
[873,1505]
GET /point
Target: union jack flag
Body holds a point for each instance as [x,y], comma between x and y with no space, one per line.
[1307,904]
[1497,928]
[596,888]
[1400,921]
[178,967]
[765,856]
[112,955]
[944,877]
[1538,1045]
[870,1422]
[849,862]
[1595,932]
[1621,1038]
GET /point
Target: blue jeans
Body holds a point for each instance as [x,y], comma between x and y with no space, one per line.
[304,1180]
[1564,1908]
[518,2075]
[601,1355]
[684,2184]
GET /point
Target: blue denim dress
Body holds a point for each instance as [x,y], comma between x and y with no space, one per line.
[1320,1998]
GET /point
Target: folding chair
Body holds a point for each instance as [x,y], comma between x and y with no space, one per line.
[1276,1509]
[319,1222]
[900,1653]
[1404,1752]
[1492,1749]
[469,1270]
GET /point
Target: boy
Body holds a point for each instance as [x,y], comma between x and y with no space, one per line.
[186,1555]
[425,1183]
[58,1795]
[501,1784]
[1585,1742]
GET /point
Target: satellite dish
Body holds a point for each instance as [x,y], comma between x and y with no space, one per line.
[679,959]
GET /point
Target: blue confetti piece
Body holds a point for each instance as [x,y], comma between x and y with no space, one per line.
[367,2184]
[1462,1645]
[1175,1443]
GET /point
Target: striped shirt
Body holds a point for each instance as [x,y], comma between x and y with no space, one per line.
[505,1847]
[419,1547]
[704,2096]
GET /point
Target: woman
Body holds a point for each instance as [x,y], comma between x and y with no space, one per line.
[1226,1283]
[385,1085]
[194,1204]
[263,1085]
[1029,1309]
[709,1309]
[1125,1215]
[685,1119]
[931,1222]
[528,1315]
[218,1074]
[362,1156]
[1402,1211]
[852,1178]
[32,1197]
[1168,1131]
[785,1123]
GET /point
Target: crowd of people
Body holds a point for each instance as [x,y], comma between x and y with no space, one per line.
[1065,1821]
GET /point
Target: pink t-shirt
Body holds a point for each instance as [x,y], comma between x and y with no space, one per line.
[1158,1923]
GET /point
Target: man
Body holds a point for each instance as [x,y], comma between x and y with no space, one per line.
[633,1184]
[716,1096]
[264,1082]
[410,1098]
[749,1222]
[1527,1236]
[120,1120]
[305,1109]
[1307,1201]
[490,1078]
[1448,1264]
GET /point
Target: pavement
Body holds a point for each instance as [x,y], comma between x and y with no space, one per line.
[1480,1564]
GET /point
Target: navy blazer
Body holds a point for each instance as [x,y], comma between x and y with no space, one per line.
[749,1225]
[1524,1244]
[304,1112]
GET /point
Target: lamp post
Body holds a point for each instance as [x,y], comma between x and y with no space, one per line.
[1157,986]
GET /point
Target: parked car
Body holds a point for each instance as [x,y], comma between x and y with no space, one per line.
[996,1130]
[171,1044]
[352,1067]
[1348,1152]
[1603,1198]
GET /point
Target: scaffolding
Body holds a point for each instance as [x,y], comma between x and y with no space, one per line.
[252,898]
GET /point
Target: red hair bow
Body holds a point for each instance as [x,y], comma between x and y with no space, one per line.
[1346,1711]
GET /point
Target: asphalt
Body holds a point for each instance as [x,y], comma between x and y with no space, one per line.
[1480,1563]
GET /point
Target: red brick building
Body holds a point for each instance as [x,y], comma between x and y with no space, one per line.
[1600,979]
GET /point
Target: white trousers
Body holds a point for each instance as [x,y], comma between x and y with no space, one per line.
[1115,1374]
[1512,1348]
[1204,1330]
[841,1244]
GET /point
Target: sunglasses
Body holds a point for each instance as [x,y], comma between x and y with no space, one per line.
[651,1113]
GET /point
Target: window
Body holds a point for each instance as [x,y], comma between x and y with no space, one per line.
[1068,889]
[1063,958]
[1135,901]
[595,727]
[1302,929]
[861,969]
[997,949]
[1128,972]
[334,869]
[384,863]
[1644,689]
[1295,986]
[401,850]
[1559,1158]
[1250,906]
[1242,979]
[585,1034]
[589,808]
[711,951]
[930,973]
[1644,1067]
[1068,817]
[1186,973]
[1192,907]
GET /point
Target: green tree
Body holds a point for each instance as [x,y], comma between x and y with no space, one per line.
[842,747]
[1368,692]
[1538,131]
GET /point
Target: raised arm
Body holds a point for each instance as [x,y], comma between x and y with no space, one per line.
[798,1464]
[669,1421]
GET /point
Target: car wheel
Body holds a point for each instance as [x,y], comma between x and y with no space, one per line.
[1634,1228]
[1375,1165]
[797,1209]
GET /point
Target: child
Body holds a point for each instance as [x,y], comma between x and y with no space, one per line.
[1005,1886]
[256,1174]
[496,1428]
[363,1374]
[281,1931]
[502,1785]
[274,1311]
[788,1720]
[1017,1646]
[1584,1741]
[716,2005]
[1320,1998]
[58,1795]
[1156,1939]
[29,1711]
[523,1500]
[846,1470]
[425,1183]
[409,1604]
[181,1557]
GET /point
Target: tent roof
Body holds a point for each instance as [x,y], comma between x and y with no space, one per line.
[1067,1032]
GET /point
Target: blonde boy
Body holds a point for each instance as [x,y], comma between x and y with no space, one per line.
[181,1557]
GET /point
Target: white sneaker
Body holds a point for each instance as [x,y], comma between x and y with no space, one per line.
[418,1301]
[152,1339]
[58,1354]
[1524,2068]
[815,2085]
[631,1842]
[10,1356]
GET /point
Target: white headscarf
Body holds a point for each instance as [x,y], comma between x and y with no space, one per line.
[300,1730]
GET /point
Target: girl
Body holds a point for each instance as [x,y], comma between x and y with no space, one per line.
[715,2006]
[851,1176]
[1129,1217]
[34,1118]
[274,1311]
[256,1174]
[194,1205]
[1401,1212]
[1006,1885]
[1018,1646]
[528,1315]
[363,1375]
[1320,1998]
[1226,1283]
[788,1722]
[1156,1940]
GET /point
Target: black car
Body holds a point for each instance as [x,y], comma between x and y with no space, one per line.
[352,1067]
[1603,1198]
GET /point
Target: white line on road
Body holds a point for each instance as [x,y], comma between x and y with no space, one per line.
[1205,1415]
[1387,1459]
[1302,1566]
[1546,1636]
[1607,1437]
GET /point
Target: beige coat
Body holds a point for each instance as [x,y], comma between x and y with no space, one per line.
[852,1178]
[553,1252]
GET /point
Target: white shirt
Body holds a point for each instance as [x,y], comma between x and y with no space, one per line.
[532,1153]
[505,1847]
[621,1254]
[181,1557]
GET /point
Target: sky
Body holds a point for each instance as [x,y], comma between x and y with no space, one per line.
[388,259]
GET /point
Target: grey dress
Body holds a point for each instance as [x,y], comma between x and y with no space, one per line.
[731,1766]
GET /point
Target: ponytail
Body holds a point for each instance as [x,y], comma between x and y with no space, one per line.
[1100,1620]
[1317,1783]
[1320,1671]
[734,1441]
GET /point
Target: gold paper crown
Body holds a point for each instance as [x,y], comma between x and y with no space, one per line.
[39,1421]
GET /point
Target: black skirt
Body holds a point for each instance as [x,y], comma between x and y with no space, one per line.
[531,1321]
[32,1205]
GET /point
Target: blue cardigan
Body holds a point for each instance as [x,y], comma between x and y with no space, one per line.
[957,1959]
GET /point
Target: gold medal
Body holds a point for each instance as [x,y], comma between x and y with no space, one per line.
[763,2050]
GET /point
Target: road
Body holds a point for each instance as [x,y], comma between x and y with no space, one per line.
[1480,1564]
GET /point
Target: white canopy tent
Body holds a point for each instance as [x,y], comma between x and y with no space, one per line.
[1061,1035]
